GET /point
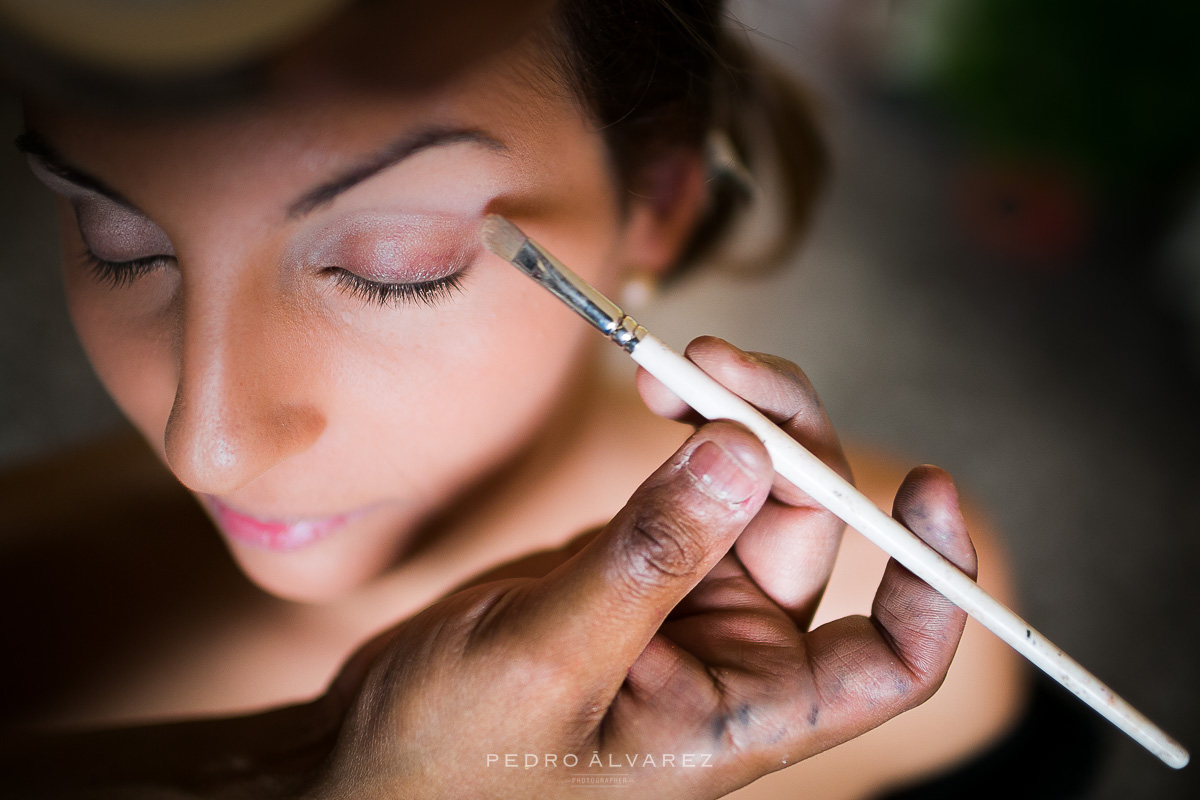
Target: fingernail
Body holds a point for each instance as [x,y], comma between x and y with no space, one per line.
[720,473]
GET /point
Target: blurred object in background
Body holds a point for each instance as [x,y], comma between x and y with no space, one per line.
[1074,125]
[84,51]
[156,40]
[1037,364]
[1181,281]
[182,53]
[1035,214]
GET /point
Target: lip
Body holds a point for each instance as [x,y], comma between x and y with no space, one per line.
[277,535]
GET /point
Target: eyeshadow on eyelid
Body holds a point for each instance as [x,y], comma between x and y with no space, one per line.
[395,248]
[115,233]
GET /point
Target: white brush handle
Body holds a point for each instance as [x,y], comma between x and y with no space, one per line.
[809,473]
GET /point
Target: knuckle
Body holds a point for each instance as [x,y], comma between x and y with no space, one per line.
[779,364]
[659,548]
[789,393]
[910,687]
[891,686]
[789,372]
[926,685]
[905,685]
[920,643]
[913,688]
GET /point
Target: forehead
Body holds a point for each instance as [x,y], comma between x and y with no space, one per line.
[312,121]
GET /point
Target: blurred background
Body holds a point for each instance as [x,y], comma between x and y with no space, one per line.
[1004,280]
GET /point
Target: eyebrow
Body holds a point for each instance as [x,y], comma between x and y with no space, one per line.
[391,155]
[35,145]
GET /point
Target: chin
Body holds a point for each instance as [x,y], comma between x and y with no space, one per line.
[320,573]
[297,582]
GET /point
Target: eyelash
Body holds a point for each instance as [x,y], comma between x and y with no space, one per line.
[117,274]
[429,293]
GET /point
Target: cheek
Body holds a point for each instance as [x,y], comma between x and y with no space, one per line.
[126,335]
[427,400]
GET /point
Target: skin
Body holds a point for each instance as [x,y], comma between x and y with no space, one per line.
[261,381]
[665,641]
[258,379]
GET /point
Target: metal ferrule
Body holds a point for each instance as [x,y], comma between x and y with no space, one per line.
[628,334]
[588,303]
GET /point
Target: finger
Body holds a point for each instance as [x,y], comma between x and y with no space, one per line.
[613,595]
[867,670]
[662,401]
[790,548]
[773,385]
[719,652]
[783,393]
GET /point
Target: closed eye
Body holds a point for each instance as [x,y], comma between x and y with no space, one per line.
[118,274]
[394,294]
[122,273]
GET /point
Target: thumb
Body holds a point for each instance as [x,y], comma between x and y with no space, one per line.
[612,596]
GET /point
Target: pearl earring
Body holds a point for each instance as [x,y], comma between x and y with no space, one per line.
[638,290]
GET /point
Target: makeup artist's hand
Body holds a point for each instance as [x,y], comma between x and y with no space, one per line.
[673,648]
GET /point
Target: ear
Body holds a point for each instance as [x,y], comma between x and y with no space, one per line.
[665,205]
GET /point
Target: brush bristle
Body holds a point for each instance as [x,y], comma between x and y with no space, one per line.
[502,237]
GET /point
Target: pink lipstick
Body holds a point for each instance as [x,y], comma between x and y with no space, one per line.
[271,534]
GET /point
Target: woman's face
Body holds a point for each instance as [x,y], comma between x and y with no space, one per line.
[289,299]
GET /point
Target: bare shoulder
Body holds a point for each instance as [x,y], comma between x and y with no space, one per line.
[981,699]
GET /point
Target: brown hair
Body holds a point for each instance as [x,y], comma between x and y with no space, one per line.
[655,75]
[663,74]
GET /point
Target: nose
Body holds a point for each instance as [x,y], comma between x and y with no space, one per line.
[240,406]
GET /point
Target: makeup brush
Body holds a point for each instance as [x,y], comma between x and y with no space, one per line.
[794,463]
